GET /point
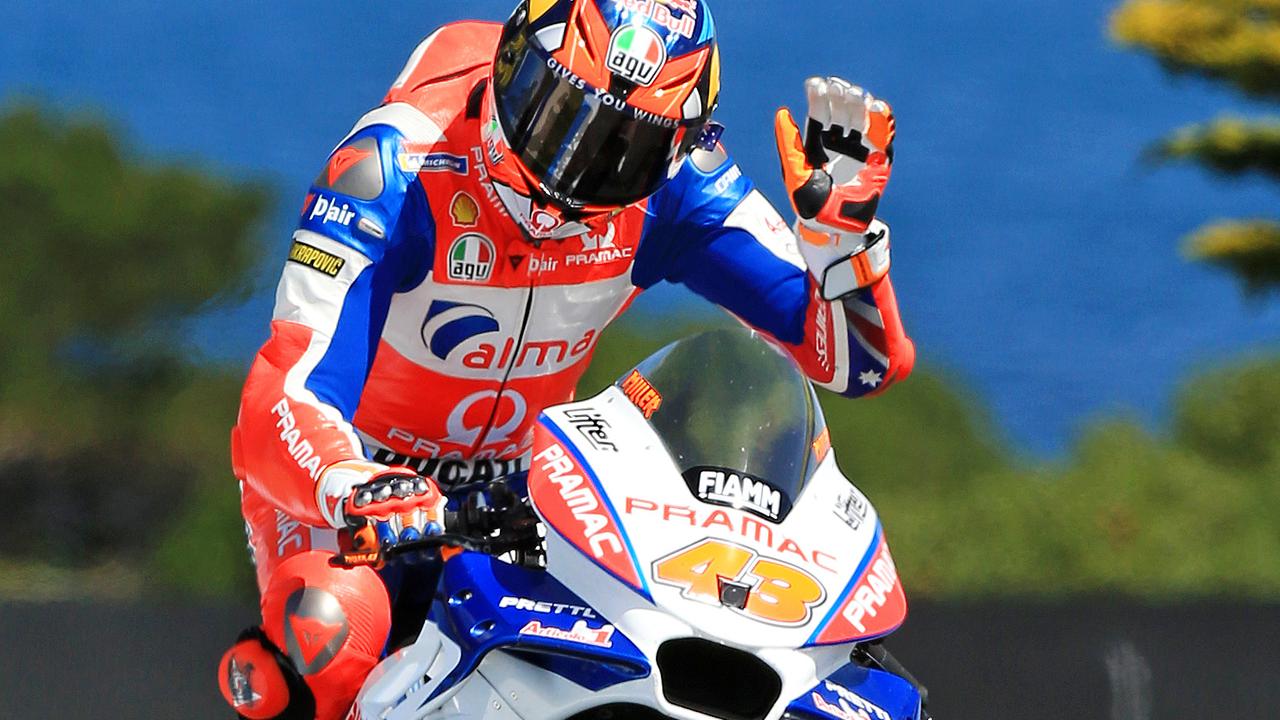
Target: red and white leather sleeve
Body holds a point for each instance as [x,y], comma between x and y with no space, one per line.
[287,433]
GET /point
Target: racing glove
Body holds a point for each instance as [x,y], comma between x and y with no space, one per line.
[374,507]
[835,177]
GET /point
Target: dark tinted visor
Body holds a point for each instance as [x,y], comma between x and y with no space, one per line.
[583,144]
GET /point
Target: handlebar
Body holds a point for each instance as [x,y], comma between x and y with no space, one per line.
[493,519]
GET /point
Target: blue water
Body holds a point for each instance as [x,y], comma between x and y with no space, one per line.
[1035,256]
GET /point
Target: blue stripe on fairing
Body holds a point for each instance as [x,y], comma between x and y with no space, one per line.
[604,497]
[853,582]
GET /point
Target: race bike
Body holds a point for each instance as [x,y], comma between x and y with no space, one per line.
[684,547]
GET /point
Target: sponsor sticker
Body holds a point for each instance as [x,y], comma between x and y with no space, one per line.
[581,632]
[327,210]
[542,223]
[642,394]
[739,523]
[874,606]
[636,54]
[316,259]
[851,508]
[417,157]
[592,426]
[677,16]
[584,506]
[726,181]
[464,210]
[599,248]
[547,608]
[566,496]
[847,705]
[354,170]
[471,258]
[447,472]
[720,486]
[822,444]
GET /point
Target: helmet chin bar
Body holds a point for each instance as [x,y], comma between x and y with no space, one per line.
[541,221]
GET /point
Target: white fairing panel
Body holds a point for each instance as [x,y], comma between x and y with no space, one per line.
[684,549]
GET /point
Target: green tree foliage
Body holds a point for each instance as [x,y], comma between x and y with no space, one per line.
[105,428]
[1236,42]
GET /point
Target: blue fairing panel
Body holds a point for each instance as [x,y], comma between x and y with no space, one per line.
[490,605]
[854,692]
[364,200]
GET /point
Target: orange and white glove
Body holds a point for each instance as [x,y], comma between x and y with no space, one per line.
[374,506]
[352,493]
[835,177]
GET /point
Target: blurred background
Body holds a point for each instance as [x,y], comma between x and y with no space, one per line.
[1080,480]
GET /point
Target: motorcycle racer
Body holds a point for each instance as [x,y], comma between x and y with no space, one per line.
[459,255]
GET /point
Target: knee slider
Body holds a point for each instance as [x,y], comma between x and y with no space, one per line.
[332,623]
[261,683]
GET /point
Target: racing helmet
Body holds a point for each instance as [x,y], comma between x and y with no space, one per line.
[594,105]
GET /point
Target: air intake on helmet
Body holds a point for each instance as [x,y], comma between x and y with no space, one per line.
[716,680]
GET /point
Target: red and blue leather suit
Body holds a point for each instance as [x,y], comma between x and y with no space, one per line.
[415,320]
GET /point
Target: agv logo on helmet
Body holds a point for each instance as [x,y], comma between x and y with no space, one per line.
[637,54]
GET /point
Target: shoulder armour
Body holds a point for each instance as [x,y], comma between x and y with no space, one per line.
[355,169]
[709,160]
[455,50]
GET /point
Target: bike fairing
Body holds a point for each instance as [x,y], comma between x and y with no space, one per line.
[568,622]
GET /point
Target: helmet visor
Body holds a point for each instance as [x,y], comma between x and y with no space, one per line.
[585,145]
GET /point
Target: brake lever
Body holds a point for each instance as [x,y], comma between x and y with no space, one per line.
[435,542]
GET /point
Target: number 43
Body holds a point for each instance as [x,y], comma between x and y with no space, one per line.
[781,593]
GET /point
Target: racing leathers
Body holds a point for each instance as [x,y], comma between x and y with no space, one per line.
[416,324]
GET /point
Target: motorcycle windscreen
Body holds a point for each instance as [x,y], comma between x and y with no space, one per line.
[746,433]
[741,422]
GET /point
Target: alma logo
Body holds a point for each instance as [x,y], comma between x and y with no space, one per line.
[471,258]
[637,54]
[450,324]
